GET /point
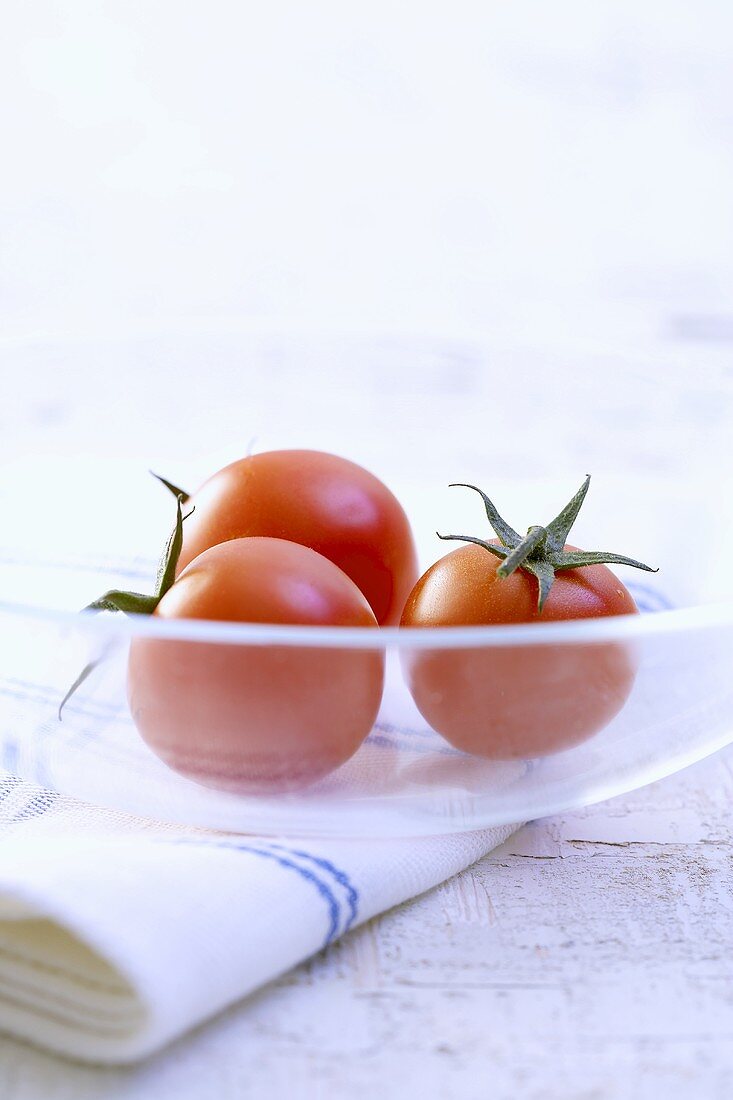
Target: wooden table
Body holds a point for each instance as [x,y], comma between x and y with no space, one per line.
[587,959]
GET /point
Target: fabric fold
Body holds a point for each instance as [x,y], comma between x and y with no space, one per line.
[117,936]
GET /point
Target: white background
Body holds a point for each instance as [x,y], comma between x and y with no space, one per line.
[547,167]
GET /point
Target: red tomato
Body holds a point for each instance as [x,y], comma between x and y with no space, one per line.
[320,500]
[256,718]
[515,702]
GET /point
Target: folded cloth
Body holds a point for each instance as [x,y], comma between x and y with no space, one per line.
[117,934]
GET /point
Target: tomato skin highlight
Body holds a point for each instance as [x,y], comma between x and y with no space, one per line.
[319,500]
[519,702]
[256,718]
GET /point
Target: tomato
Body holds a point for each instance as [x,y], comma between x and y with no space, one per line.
[506,702]
[524,701]
[256,718]
[320,500]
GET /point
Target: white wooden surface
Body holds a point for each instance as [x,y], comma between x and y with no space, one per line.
[588,959]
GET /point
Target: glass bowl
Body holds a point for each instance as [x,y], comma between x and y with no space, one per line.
[405,778]
[525,422]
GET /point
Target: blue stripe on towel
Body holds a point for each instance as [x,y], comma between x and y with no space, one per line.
[142,570]
[334,908]
[647,598]
[340,876]
[35,802]
[401,744]
[384,735]
[39,692]
[10,756]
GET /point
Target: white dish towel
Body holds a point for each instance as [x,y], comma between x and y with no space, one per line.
[117,935]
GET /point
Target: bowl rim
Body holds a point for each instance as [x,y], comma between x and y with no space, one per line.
[515,635]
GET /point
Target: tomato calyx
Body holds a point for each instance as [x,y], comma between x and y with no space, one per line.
[137,603]
[177,493]
[541,551]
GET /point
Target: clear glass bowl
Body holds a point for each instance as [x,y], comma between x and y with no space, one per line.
[405,779]
[524,422]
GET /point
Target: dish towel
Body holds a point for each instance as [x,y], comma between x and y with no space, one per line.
[117,934]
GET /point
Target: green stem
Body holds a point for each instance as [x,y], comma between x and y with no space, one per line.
[526,548]
[136,603]
[171,487]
